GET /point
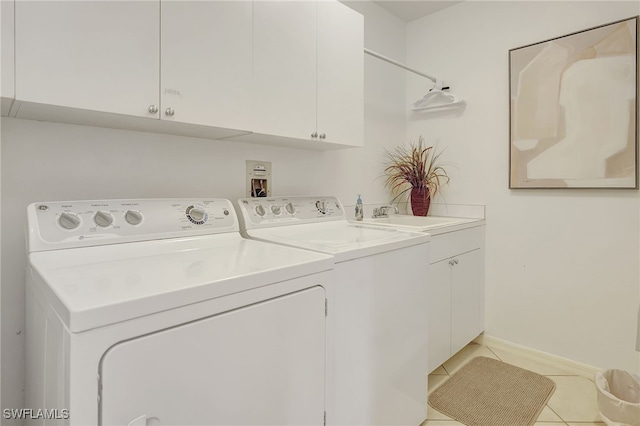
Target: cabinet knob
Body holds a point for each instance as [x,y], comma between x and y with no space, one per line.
[314,134]
[451,262]
[169,112]
[323,135]
[153,109]
[455,261]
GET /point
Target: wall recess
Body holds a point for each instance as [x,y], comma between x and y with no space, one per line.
[258,178]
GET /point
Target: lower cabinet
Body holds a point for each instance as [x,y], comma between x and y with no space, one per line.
[456,292]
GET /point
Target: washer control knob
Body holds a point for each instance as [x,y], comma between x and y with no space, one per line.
[276,210]
[69,220]
[290,208]
[133,217]
[260,211]
[103,219]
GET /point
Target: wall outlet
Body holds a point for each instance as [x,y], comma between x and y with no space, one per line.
[258,178]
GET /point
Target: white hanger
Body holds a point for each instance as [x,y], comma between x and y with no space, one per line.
[437,98]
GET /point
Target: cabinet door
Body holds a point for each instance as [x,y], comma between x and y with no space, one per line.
[439,305]
[6,38]
[284,68]
[94,55]
[467,286]
[340,114]
[206,62]
[259,365]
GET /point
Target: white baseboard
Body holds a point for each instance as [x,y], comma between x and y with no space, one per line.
[574,367]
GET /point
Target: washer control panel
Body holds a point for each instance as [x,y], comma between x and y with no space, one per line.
[262,212]
[82,223]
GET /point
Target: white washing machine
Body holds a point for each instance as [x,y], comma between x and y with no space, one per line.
[377,312]
[158,312]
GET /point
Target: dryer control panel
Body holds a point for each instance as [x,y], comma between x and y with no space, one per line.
[54,225]
[266,212]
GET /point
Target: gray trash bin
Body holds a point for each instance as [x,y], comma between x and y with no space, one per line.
[618,397]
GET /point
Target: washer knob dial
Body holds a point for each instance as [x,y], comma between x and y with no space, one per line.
[69,220]
[103,219]
[260,211]
[290,208]
[133,217]
[276,210]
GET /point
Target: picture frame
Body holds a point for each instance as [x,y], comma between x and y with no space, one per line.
[573,113]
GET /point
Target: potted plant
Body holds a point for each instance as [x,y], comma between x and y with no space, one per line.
[415,169]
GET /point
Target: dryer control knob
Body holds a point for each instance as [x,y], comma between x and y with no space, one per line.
[69,220]
[260,211]
[276,210]
[103,219]
[133,217]
[290,208]
[197,215]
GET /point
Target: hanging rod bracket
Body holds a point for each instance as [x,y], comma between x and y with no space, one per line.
[440,85]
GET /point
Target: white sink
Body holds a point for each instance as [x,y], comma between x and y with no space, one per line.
[419,223]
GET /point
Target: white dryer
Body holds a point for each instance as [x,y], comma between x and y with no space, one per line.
[377,312]
[158,312]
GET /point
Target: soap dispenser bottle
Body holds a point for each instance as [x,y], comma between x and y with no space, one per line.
[359,209]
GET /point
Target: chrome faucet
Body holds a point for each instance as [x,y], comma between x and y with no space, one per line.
[383,211]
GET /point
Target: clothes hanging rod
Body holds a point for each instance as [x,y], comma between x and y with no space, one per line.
[398,64]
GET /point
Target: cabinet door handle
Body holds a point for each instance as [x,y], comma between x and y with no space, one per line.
[314,134]
[169,112]
[451,262]
[455,261]
[153,109]
[323,135]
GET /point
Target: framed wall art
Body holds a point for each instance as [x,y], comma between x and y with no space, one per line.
[573,111]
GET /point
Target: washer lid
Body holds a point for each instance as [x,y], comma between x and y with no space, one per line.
[340,238]
[95,286]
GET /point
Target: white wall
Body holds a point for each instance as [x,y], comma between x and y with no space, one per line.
[1,74]
[562,266]
[46,161]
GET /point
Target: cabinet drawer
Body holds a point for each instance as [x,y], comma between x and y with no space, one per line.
[453,243]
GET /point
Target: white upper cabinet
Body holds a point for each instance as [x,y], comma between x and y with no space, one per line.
[92,55]
[7,51]
[340,113]
[308,72]
[284,68]
[206,49]
[274,72]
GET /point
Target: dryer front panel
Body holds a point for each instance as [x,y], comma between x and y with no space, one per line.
[261,364]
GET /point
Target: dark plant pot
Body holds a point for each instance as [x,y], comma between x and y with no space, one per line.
[420,201]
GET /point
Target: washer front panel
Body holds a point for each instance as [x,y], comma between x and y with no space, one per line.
[278,211]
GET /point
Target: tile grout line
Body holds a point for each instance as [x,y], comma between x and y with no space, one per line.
[495,354]
[445,370]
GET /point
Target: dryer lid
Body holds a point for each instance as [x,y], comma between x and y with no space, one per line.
[95,286]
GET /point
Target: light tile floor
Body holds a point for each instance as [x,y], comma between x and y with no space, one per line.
[572,404]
